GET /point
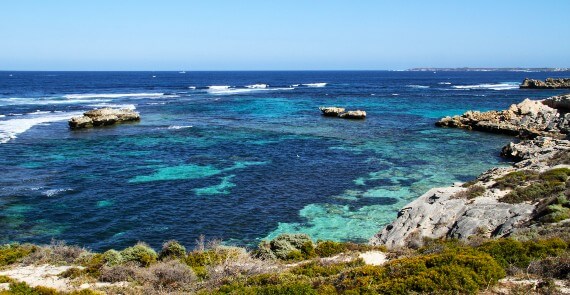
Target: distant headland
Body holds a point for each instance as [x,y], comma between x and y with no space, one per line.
[466,69]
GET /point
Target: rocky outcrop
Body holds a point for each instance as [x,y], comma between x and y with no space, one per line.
[341,113]
[103,117]
[527,119]
[331,111]
[549,83]
[479,208]
[439,213]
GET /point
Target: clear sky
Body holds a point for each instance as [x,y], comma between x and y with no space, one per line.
[281,35]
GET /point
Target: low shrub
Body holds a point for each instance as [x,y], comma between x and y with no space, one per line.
[128,272]
[171,275]
[510,252]
[287,247]
[172,250]
[533,192]
[471,192]
[515,179]
[24,289]
[13,253]
[72,273]
[316,269]
[57,253]
[140,253]
[330,248]
[112,257]
[5,279]
[446,272]
[552,267]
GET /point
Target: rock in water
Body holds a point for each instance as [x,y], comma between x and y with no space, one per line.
[331,111]
[358,114]
[527,119]
[341,113]
[103,117]
[549,83]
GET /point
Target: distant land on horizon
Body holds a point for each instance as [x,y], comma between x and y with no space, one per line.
[467,69]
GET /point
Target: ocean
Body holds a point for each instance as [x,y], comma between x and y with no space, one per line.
[236,156]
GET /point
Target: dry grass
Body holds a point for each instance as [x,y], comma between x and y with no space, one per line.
[56,253]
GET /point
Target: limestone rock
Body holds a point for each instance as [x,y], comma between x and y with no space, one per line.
[561,102]
[358,114]
[331,111]
[528,119]
[549,83]
[103,117]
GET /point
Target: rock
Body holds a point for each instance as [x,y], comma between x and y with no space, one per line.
[549,83]
[103,117]
[561,102]
[528,119]
[331,111]
[534,153]
[341,113]
[80,122]
[438,214]
[358,114]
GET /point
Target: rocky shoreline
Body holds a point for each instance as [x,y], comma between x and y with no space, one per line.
[485,206]
[549,83]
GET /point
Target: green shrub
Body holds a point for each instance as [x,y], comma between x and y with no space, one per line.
[471,192]
[509,252]
[315,269]
[24,289]
[214,256]
[112,257]
[72,273]
[446,272]
[13,253]
[515,179]
[5,279]
[172,249]
[533,192]
[556,213]
[330,248]
[140,253]
[555,175]
[287,247]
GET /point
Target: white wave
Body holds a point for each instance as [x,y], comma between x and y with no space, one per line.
[2,116]
[257,86]
[111,95]
[444,83]
[38,112]
[192,87]
[176,127]
[395,94]
[295,85]
[54,192]
[215,87]
[418,86]
[227,91]
[315,84]
[491,86]
[109,105]
[46,101]
[10,128]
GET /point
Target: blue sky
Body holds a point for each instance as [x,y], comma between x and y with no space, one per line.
[281,35]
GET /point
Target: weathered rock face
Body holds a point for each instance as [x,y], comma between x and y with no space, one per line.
[438,214]
[358,114]
[534,153]
[561,103]
[527,119]
[331,111]
[341,113]
[549,83]
[103,117]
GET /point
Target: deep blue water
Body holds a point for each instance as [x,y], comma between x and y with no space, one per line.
[240,164]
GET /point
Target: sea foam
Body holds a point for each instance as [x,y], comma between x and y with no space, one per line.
[321,84]
[10,128]
[491,86]
[111,95]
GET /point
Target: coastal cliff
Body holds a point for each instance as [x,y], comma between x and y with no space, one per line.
[549,83]
[501,200]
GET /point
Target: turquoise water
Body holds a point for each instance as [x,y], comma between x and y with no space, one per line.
[241,164]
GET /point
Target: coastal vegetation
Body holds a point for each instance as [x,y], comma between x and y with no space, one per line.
[294,264]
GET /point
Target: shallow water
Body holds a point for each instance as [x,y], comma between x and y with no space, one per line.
[237,163]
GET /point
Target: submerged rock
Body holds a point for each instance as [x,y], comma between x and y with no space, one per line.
[103,117]
[549,83]
[341,113]
[527,119]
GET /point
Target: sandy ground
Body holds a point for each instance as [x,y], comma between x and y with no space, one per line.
[373,257]
[47,276]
